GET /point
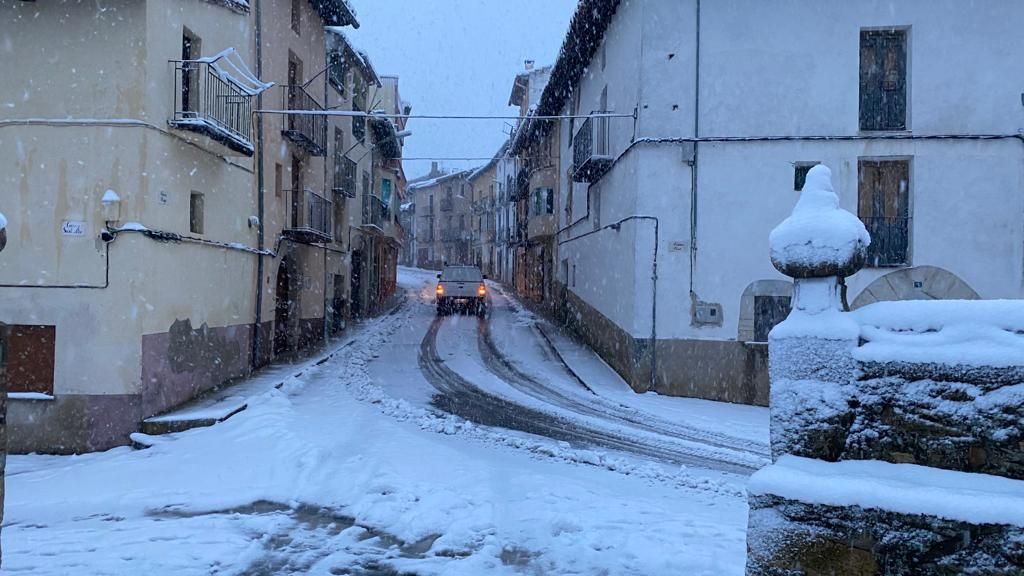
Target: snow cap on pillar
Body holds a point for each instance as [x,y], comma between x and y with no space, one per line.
[819,239]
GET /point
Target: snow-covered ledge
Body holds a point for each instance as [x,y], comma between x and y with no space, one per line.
[29,396]
[897,430]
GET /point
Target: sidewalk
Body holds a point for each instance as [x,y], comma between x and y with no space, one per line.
[229,399]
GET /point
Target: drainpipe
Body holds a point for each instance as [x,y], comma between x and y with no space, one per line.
[326,147]
[257,330]
[693,169]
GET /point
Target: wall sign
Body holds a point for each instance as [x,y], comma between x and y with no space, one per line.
[163,197]
[73,228]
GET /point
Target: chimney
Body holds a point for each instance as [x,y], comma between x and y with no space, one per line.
[433,168]
[529,64]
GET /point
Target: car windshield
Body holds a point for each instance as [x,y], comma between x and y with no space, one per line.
[461,274]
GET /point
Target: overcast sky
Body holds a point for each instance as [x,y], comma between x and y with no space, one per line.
[458,57]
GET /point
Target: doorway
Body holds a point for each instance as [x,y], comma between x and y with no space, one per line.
[356,294]
[283,308]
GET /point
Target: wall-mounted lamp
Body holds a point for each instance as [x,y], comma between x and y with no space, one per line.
[111,206]
[3,232]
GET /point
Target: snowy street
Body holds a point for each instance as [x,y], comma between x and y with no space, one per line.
[429,446]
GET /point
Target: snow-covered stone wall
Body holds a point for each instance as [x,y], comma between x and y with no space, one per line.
[897,430]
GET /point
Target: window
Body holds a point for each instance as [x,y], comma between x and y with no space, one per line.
[278,179]
[297,16]
[883,204]
[800,170]
[543,201]
[29,357]
[195,213]
[769,311]
[883,80]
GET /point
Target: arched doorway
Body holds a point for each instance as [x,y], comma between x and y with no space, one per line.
[918,283]
[284,307]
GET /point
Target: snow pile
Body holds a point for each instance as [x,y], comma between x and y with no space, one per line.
[902,488]
[818,233]
[951,332]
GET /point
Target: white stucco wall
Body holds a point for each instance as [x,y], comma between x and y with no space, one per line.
[795,71]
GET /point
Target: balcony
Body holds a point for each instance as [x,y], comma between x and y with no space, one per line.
[890,241]
[374,212]
[310,221]
[344,177]
[447,204]
[591,153]
[214,106]
[307,130]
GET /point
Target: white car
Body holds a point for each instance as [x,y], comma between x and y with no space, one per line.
[461,289]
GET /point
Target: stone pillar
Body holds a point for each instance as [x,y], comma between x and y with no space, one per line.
[810,353]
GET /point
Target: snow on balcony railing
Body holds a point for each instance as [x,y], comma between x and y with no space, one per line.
[213,96]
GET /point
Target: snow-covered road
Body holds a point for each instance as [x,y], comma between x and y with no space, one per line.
[352,469]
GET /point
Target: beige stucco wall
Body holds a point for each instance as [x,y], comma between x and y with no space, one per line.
[101,69]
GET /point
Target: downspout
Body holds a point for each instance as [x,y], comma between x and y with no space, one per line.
[257,329]
[330,217]
[693,168]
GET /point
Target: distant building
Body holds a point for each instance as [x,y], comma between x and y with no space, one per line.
[443,214]
[484,183]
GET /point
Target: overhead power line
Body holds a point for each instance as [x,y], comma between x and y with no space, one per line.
[361,114]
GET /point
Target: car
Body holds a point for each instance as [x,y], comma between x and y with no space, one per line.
[461,289]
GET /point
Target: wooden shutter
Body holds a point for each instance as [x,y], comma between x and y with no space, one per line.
[883,80]
[31,356]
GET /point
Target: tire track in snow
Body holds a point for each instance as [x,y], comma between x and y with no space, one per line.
[598,407]
[462,398]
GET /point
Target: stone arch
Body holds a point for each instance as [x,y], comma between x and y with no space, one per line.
[917,283]
[779,288]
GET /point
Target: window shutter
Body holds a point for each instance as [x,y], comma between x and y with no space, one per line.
[883,80]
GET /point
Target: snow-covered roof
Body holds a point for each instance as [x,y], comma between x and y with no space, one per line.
[336,12]
[586,32]
[358,56]
[435,181]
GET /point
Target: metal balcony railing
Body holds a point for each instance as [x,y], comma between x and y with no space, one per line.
[447,204]
[310,219]
[890,241]
[208,101]
[344,177]
[373,211]
[306,130]
[591,150]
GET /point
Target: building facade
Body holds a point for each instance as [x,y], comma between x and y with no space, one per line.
[484,183]
[190,240]
[444,215]
[693,145]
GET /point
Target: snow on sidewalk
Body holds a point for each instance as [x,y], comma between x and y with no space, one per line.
[330,474]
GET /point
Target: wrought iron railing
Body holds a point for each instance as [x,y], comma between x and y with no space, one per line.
[207,100]
[591,141]
[373,211]
[310,213]
[307,130]
[890,241]
[345,177]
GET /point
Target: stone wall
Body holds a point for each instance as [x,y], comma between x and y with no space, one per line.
[927,389]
